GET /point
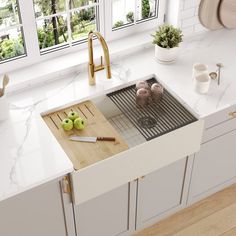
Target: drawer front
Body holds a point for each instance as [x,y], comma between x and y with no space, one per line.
[221,116]
[124,167]
[219,130]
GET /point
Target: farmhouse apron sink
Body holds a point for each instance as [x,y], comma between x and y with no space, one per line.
[146,140]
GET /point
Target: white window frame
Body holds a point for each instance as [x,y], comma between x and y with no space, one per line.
[18,25]
[130,29]
[33,54]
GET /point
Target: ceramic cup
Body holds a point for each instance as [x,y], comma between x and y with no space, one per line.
[4,108]
[202,83]
[199,68]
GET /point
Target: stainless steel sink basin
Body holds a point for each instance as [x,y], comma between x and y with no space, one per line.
[143,124]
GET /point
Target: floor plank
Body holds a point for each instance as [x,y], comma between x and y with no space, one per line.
[231,232]
[194,214]
[213,225]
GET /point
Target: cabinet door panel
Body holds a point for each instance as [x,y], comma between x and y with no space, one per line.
[160,191]
[37,212]
[106,215]
[214,165]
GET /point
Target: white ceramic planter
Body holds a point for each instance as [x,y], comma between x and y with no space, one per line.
[4,108]
[165,55]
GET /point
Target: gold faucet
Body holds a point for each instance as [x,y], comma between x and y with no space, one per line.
[92,68]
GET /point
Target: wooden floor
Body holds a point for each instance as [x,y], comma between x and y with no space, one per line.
[214,216]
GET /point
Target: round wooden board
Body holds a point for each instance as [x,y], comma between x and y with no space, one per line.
[227,13]
[208,14]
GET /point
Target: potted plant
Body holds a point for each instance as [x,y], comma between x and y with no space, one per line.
[167,39]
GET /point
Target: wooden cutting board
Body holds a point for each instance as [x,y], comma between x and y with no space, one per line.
[84,154]
[227,13]
[208,14]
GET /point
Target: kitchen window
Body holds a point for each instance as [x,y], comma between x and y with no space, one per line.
[133,16]
[11,31]
[132,12]
[64,23]
[55,27]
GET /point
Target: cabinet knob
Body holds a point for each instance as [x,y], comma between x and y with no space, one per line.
[233,114]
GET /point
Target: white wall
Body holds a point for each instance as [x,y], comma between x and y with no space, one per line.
[184,13]
[188,17]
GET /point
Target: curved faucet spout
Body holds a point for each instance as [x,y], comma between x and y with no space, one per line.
[92,68]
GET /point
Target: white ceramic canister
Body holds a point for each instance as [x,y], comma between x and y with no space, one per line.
[4,108]
[202,82]
[199,68]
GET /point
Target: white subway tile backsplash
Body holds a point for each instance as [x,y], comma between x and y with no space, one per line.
[188,30]
[181,6]
[191,3]
[189,21]
[187,13]
[199,28]
[196,11]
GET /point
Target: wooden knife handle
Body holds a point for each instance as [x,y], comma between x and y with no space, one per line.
[106,138]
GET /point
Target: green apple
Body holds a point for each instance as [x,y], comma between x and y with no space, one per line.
[73,115]
[67,124]
[79,123]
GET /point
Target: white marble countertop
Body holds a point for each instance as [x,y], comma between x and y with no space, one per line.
[29,153]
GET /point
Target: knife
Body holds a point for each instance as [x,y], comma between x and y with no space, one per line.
[91,139]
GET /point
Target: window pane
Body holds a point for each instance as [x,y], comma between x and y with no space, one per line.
[125,14]
[8,13]
[52,31]
[82,22]
[68,25]
[48,7]
[11,44]
[80,3]
[11,32]
[128,12]
[146,9]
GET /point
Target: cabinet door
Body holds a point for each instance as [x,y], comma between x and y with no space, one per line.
[214,166]
[160,192]
[37,212]
[106,215]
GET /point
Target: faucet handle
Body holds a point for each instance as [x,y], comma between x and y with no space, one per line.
[101,66]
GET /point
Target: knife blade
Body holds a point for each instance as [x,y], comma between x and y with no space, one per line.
[91,139]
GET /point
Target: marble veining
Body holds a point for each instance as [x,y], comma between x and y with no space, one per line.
[29,153]
[29,109]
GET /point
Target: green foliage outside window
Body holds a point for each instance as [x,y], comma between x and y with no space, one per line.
[145,9]
[118,24]
[130,17]
[10,48]
[52,31]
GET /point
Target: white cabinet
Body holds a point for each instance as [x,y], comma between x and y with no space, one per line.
[37,212]
[107,215]
[160,192]
[214,166]
[135,205]
[102,177]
